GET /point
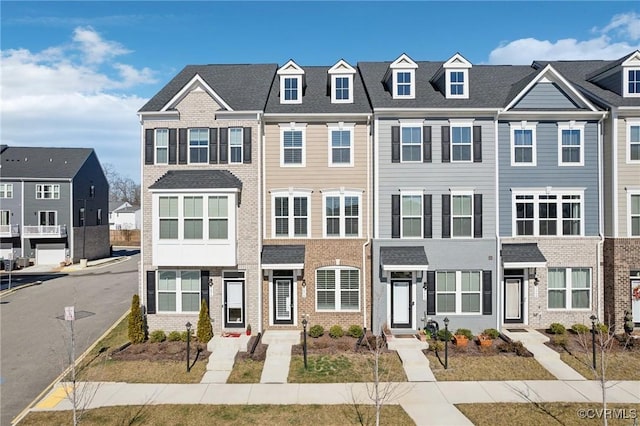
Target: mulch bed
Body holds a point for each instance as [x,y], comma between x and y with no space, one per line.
[259,354]
[582,343]
[163,351]
[327,345]
[473,349]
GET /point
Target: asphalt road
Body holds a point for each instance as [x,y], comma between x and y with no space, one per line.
[35,343]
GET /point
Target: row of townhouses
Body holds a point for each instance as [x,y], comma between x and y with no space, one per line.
[387,193]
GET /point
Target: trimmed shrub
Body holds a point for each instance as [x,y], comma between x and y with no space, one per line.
[557,328]
[444,335]
[436,346]
[174,336]
[205,330]
[465,332]
[580,328]
[602,328]
[355,331]
[336,332]
[136,331]
[184,335]
[316,331]
[491,332]
[157,336]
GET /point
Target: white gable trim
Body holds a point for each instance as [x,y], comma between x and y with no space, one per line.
[290,68]
[457,61]
[342,67]
[196,82]
[631,64]
[403,62]
[633,60]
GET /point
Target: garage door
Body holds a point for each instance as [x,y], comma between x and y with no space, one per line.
[49,256]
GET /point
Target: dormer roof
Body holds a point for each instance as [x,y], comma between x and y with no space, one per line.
[402,62]
[341,67]
[290,68]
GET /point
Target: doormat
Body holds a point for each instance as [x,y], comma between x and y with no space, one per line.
[517,330]
[404,336]
[230,334]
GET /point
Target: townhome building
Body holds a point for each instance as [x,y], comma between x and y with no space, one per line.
[434,242]
[201,197]
[317,194]
[53,205]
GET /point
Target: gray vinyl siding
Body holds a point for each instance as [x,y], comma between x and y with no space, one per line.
[13,204]
[548,173]
[91,174]
[545,95]
[436,178]
[33,206]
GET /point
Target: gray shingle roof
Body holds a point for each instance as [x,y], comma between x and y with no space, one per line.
[414,256]
[41,162]
[522,253]
[317,96]
[197,179]
[282,254]
[243,87]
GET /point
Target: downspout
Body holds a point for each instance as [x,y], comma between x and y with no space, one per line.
[599,252]
[366,243]
[498,262]
[70,227]
[145,212]
[261,169]
[24,219]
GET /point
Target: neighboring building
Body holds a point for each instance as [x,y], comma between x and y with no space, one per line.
[201,197]
[124,216]
[316,198]
[54,205]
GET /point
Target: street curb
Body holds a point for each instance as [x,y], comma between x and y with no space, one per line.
[28,408]
[13,290]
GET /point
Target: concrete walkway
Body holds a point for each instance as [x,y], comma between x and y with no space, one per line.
[534,341]
[276,365]
[414,361]
[223,354]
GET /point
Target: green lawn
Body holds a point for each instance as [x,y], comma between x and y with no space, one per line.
[345,368]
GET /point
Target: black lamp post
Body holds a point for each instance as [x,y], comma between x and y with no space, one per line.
[593,319]
[188,325]
[304,345]
[446,342]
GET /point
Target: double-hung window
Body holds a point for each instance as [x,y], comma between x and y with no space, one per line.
[542,213]
[178,291]
[403,84]
[337,289]
[292,151]
[162,146]
[168,214]
[198,146]
[342,89]
[571,216]
[569,288]
[411,143]
[461,143]
[456,84]
[458,292]
[6,190]
[342,214]
[548,214]
[47,192]
[235,144]
[633,135]
[634,215]
[218,217]
[462,215]
[290,215]
[192,207]
[411,215]
[291,89]
[524,214]
[633,82]
[523,144]
[340,146]
[571,144]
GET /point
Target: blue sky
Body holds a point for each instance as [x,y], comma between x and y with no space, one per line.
[75,73]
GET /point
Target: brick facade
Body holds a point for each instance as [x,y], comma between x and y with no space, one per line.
[621,256]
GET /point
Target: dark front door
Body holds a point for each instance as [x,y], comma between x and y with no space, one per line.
[282,300]
[513,300]
[401,304]
[234,304]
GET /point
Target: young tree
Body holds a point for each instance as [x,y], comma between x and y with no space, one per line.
[137,330]
[205,330]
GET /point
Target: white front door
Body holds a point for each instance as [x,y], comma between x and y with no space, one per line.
[283,292]
[513,300]
[234,304]
[401,304]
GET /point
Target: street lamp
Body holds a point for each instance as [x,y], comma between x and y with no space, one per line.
[304,346]
[446,342]
[593,319]
[188,325]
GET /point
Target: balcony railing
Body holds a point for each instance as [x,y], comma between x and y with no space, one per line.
[45,231]
[9,231]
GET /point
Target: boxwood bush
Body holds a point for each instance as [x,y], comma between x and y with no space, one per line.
[491,332]
[174,336]
[557,328]
[316,331]
[336,332]
[157,336]
[355,331]
[580,328]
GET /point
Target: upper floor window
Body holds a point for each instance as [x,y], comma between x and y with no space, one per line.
[291,89]
[178,291]
[5,217]
[337,289]
[342,88]
[569,288]
[411,144]
[81,217]
[633,136]
[193,217]
[341,82]
[47,218]
[411,215]
[634,215]
[542,214]
[292,150]
[401,78]
[47,192]
[342,214]
[458,292]
[235,144]
[290,215]
[571,144]
[168,214]
[192,212]
[456,71]
[523,144]
[633,82]
[162,146]
[6,190]
[461,143]
[198,146]
[341,146]
[218,218]
[462,215]
[404,84]
[456,83]
[290,83]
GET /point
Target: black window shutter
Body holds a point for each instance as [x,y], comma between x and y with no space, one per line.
[445,144]
[173,146]
[487,302]
[182,147]
[431,292]
[427,216]
[426,144]
[395,216]
[148,146]
[446,216]
[213,146]
[477,144]
[246,145]
[395,144]
[204,288]
[224,133]
[477,216]
[151,292]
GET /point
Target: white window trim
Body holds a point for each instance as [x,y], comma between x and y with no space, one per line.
[155,147]
[334,99]
[178,291]
[302,127]
[200,147]
[6,190]
[350,127]
[290,194]
[465,94]
[568,290]
[55,216]
[412,194]
[412,85]
[625,82]
[458,294]
[524,125]
[460,123]
[571,126]
[241,144]
[631,123]
[298,100]
[410,124]
[536,213]
[458,193]
[630,193]
[55,190]
[338,289]
[341,194]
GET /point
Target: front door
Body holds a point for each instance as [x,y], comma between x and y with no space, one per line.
[283,300]
[234,304]
[635,297]
[513,300]
[401,304]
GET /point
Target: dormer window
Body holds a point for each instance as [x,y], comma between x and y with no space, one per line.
[401,78]
[633,82]
[456,83]
[291,89]
[342,88]
[457,77]
[631,76]
[404,83]
[291,83]
[341,82]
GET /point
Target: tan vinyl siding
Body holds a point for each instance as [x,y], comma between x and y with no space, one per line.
[628,177]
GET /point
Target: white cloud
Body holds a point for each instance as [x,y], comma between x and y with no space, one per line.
[615,40]
[75,95]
